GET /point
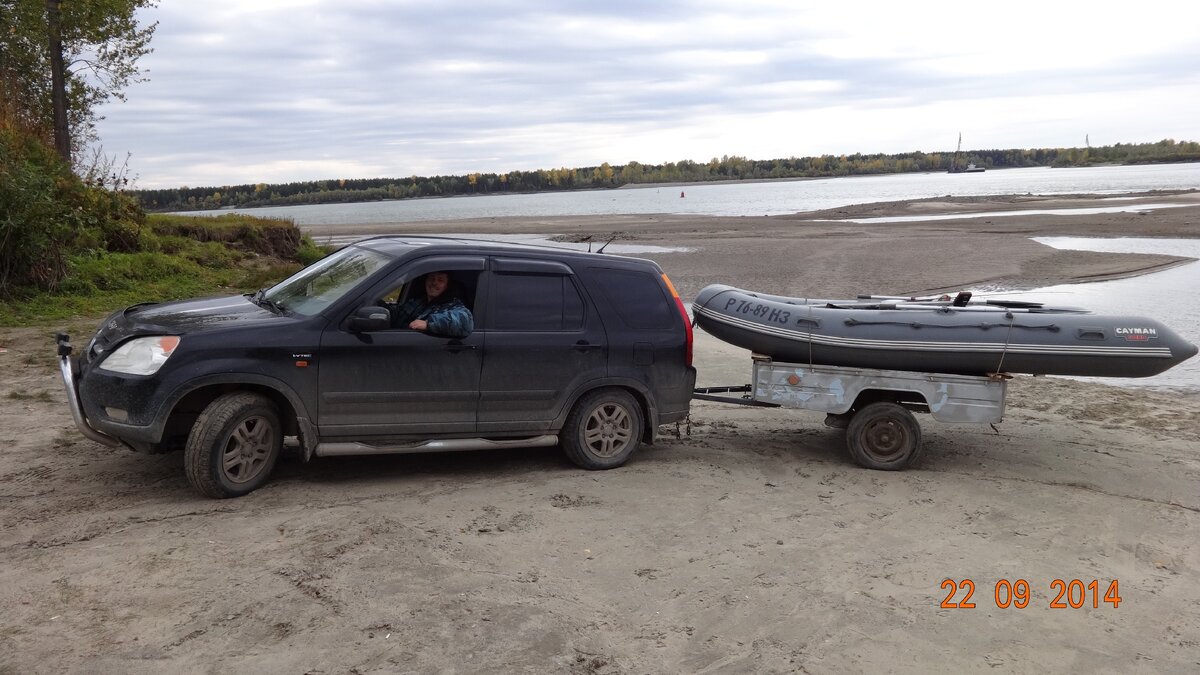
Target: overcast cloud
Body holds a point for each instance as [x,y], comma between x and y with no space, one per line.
[287,90]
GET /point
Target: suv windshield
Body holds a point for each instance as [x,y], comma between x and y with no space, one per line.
[315,287]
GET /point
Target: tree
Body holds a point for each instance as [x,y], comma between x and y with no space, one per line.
[61,59]
[58,80]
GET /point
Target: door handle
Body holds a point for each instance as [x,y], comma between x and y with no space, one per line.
[456,347]
[585,346]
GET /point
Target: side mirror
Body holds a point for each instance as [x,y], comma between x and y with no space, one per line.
[370,318]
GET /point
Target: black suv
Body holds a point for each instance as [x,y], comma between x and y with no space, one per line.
[585,350]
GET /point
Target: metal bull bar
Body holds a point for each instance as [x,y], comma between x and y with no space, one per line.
[68,377]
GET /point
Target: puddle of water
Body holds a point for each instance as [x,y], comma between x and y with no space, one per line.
[1169,296]
[1026,212]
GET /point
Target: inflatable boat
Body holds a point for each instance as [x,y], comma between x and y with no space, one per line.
[940,334]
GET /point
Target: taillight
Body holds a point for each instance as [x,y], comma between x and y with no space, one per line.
[687,323]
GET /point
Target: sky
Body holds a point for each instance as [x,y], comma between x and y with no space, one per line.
[273,91]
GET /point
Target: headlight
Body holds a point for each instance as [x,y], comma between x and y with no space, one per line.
[141,356]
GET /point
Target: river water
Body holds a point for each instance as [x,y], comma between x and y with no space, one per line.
[1169,296]
[749,199]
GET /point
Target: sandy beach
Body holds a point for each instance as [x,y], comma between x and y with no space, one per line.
[744,540]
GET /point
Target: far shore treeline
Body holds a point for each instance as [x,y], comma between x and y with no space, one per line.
[609,176]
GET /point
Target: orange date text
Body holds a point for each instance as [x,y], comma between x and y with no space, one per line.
[1016,593]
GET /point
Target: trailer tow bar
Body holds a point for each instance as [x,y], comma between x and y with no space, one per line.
[710,394]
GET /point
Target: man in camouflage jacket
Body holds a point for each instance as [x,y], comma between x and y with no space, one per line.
[439,312]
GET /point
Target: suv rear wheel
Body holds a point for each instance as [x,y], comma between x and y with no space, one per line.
[603,429]
[234,445]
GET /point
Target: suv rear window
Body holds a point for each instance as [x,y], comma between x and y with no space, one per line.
[531,302]
[638,298]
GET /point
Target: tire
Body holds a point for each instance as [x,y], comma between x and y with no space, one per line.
[233,446]
[603,429]
[884,436]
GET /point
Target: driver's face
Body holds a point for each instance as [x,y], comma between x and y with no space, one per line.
[435,284]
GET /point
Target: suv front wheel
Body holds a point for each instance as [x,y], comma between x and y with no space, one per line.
[234,445]
[603,429]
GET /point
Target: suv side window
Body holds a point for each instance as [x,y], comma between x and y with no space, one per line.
[531,302]
[464,285]
[638,298]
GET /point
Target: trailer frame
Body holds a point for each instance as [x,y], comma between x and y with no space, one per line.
[874,406]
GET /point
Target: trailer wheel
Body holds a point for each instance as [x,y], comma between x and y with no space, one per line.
[884,436]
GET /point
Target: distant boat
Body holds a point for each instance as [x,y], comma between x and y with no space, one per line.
[969,168]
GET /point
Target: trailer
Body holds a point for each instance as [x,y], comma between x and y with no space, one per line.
[875,407]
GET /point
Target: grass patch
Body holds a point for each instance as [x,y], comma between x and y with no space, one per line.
[182,257]
[275,237]
[310,252]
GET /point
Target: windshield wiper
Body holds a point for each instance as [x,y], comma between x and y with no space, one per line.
[260,298]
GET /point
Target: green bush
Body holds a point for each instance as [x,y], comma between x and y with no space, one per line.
[310,252]
[119,219]
[46,212]
[38,194]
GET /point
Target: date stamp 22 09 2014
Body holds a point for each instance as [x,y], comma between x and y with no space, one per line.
[1015,593]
